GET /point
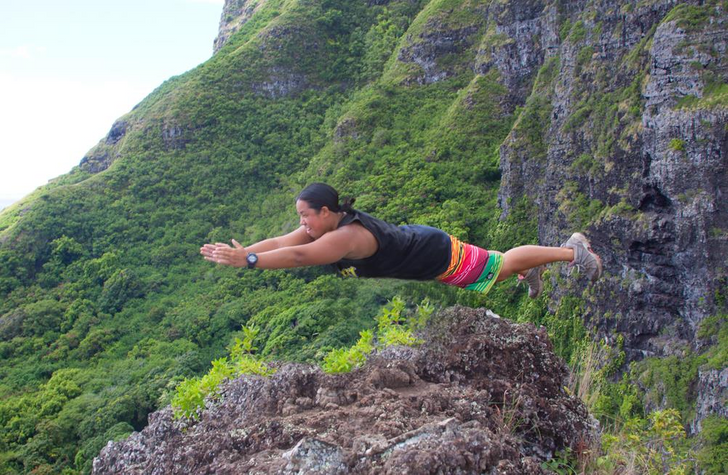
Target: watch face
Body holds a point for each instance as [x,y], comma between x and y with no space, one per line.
[252,259]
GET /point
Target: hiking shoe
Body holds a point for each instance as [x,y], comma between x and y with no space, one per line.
[585,259]
[534,281]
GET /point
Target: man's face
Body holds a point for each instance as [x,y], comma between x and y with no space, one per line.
[313,220]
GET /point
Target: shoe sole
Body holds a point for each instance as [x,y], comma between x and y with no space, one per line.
[581,239]
[540,270]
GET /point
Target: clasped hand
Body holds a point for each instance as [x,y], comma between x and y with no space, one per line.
[221,253]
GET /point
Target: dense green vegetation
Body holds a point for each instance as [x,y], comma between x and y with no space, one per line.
[393,328]
[106,306]
[106,303]
[191,393]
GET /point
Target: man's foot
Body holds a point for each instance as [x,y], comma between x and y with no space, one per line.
[534,281]
[585,259]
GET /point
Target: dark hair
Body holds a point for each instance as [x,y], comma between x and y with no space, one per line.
[318,195]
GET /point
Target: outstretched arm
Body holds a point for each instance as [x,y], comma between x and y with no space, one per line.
[329,248]
[295,238]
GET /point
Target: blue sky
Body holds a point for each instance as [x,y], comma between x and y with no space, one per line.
[69,68]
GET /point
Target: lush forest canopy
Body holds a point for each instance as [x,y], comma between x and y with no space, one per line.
[105,303]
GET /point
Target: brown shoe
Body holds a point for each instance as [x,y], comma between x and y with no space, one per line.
[534,281]
[585,259]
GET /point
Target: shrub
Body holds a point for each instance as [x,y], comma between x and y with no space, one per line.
[677,145]
[651,446]
[342,360]
[189,400]
[391,330]
[122,286]
[713,456]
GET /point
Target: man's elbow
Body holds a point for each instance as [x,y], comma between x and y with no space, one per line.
[301,258]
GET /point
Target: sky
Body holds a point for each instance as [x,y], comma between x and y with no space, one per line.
[70,68]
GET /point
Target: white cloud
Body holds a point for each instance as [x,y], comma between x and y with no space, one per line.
[47,125]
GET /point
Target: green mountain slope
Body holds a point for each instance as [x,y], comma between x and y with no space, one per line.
[107,303]
[410,106]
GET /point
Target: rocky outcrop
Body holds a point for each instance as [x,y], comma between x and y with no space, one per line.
[481,395]
[98,158]
[435,43]
[173,135]
[525,37]
[235,13]
[346,129]
[712,397]
[280,82]
[103,154]
[117,132]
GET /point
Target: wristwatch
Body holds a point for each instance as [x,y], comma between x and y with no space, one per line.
[252,259]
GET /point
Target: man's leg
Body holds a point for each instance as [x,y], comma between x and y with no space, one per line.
[520,259]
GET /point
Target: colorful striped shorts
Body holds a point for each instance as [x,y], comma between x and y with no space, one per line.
[471,267]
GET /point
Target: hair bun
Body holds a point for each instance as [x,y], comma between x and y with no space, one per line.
[348,204]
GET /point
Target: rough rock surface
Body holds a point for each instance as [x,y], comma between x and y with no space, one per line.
[235,13]
[657,174]
[712,396]
[482,395]
[100,157]
[652,162]
[436,42]
[622,127]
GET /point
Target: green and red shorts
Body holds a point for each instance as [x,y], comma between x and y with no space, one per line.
[471,267]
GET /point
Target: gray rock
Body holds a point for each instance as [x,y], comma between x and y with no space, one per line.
[313,456]
[117,132]
[712,396]
[97,159]
[662,260]
[483,395]
[100,157]
[431,46]
[235,13]
[174,136]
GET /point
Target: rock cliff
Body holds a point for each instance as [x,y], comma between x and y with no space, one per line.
[482,395]
[234,15]
[621,134]
[636,152]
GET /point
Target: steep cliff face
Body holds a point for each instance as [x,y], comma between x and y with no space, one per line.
[622,134]
[482,395]
[635,152]
[234,15]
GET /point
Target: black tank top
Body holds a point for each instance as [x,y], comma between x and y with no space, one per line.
[405,252]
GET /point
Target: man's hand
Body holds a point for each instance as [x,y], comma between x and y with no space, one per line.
[221,253]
